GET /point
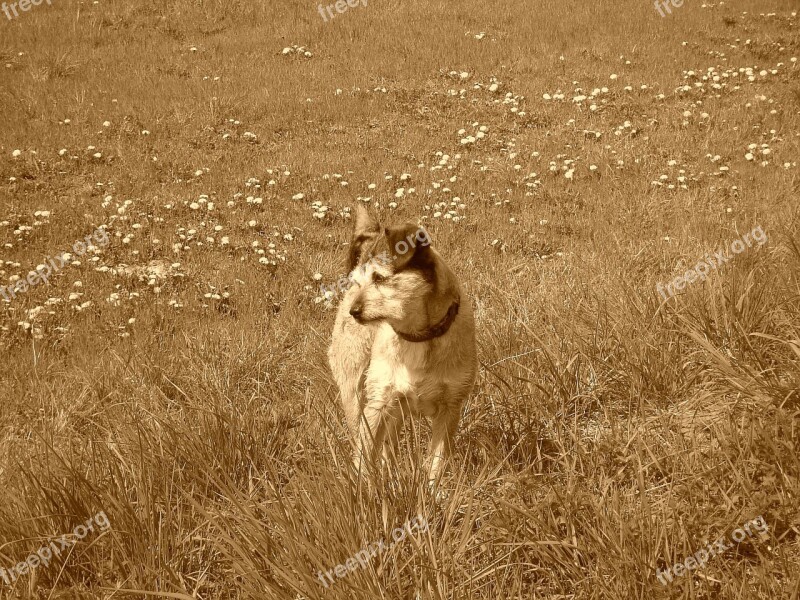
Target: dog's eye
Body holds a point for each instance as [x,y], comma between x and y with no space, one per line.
[378,278]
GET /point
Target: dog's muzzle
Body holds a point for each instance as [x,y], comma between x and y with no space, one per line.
[356,310]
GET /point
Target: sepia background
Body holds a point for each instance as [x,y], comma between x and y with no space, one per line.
[565,156]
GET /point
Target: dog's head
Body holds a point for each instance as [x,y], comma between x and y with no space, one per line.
[401,279]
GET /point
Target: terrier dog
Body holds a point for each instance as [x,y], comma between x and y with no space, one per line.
[403,342]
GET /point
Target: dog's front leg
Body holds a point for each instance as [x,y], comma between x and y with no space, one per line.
[371,432]
[353,403]
[444,427]
[395,418]
[378,416]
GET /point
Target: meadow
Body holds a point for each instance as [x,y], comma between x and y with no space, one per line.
[566,157]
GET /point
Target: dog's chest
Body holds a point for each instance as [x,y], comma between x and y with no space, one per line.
[413,356]
[408,368]
[404,365]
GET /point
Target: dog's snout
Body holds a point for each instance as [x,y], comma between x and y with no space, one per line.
[356,310]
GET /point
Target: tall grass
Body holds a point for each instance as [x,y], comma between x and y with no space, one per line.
[611,433]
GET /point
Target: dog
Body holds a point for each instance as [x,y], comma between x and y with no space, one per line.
[403,342]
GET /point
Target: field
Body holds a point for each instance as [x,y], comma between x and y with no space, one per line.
[199,162]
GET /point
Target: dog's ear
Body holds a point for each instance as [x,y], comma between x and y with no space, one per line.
[366,229]
[410,246]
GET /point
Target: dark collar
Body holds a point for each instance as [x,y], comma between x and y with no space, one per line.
[434,332]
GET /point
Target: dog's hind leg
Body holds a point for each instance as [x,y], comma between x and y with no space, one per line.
[348,357]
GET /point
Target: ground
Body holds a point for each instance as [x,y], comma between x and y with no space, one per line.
[199,162]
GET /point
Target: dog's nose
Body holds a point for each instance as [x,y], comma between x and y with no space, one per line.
[355,311]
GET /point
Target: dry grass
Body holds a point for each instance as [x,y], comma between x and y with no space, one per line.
[610,434]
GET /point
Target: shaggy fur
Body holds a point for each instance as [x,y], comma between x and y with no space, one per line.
[402,290]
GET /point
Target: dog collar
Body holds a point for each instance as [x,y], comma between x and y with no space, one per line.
[434,332]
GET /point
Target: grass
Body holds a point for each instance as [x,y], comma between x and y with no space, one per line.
[176,377]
